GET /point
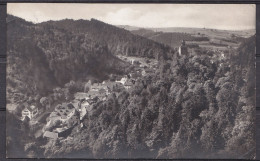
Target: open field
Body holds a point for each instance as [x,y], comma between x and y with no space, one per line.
[205,38]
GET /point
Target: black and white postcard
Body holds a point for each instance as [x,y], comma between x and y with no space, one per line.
[153,81]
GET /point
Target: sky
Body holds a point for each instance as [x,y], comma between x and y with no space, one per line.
[217,16]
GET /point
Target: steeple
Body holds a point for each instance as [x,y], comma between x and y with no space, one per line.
[183,43]
[183,48]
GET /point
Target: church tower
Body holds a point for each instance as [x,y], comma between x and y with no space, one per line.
[183,50]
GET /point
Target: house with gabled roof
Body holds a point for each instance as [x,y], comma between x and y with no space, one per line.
[29,111]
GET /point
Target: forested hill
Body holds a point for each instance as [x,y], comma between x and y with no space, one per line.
[118,40]
[53,53]
[188,108]
[41,56]
[171,39]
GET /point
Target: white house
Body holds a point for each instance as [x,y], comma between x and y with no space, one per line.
[128,84]
[122,81]
[52,135]
[30,112]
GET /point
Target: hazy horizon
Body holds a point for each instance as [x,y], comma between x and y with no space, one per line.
[182,28]
[231,16]
[135,26]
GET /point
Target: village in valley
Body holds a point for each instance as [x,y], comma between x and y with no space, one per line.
[95,88]
[58,122]
[64,117]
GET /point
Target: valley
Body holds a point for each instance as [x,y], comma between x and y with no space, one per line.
[87,89]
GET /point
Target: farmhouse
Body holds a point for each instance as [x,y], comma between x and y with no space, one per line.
[29,111]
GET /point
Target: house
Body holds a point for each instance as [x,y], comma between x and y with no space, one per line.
[143,73]
[183,50]
[74,120]
[93,94]
[93,100]
[135,75]
[105,90]
[85,106]
[69,117]
[95,87]
[63,132]
[138,69]
[117,87]
[147,71]
[81,95]
[122,81]
[66,113]
[83,112]
[58,132]
[29,111]
[129,83]
[134,62]
[100,88]
[83,103]
[52,135]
